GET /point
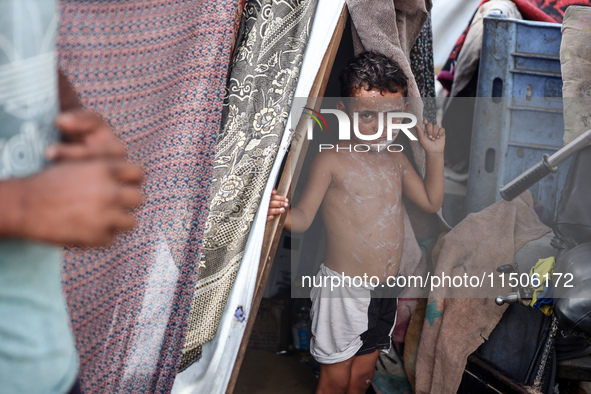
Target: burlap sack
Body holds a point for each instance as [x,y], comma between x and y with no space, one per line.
[575,61]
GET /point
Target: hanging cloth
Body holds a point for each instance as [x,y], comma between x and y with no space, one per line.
[264,73]
[156,71]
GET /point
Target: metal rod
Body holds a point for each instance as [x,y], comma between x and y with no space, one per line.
[573,147]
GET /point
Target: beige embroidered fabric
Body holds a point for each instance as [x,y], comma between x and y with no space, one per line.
[264,71]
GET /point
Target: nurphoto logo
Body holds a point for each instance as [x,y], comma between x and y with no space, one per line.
[364,142]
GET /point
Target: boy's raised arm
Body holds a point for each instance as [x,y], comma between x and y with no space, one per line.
[300,217]
[427,194]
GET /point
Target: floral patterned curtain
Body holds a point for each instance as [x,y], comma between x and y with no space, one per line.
[264,73]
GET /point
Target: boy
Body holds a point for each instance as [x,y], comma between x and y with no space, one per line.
[361,198]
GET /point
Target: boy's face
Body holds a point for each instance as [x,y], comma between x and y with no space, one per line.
[370,105]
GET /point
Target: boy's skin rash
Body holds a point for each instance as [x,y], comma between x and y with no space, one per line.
[361,198]
[361,193]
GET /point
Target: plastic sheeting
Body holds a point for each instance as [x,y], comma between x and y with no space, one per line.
[450,18]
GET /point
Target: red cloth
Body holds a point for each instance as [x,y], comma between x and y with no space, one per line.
[530,10]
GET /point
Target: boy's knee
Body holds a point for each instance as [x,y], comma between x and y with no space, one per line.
[362,380]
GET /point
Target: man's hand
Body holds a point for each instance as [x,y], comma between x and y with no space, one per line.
[431,137]
[78,203]
[277,205]
[85,136]
[82,200]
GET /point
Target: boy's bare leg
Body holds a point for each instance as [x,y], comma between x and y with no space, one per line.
[334,378]
[362,372]
[352,376]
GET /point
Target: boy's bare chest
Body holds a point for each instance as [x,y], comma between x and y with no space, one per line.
[363,206]
[366,180]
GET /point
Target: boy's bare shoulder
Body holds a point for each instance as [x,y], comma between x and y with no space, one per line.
[403,160]
[327,158]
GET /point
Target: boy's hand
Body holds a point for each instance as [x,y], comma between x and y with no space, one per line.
[277,205]
[85,136]
[431,137]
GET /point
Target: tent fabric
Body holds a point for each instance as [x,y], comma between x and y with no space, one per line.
[212,373]
[450,18]
[237,20]
[263,77]
[156,71]
[469,58]
[422,67]
[456,323]
[459,76]
[575,64]
[536,10]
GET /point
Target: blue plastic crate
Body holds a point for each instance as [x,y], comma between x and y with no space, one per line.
[518,115]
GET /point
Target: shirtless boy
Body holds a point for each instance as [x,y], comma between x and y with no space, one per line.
[361,198]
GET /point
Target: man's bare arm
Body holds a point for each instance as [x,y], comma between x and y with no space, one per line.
[82,204]
[11,209]
[85,198]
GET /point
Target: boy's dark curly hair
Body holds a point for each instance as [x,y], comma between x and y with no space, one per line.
[372,70]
